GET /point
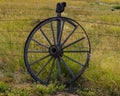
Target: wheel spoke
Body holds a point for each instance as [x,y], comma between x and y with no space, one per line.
[37,51]
[69,36]
[75,51]
[44,66]
[40,59]
[51,70]
[45,36]
[60,34]
[73,60]
[51,25]
[74,42]
[68,68]
[39,43]
[59,71]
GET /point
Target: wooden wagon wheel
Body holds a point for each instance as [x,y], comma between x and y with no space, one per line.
[57,49]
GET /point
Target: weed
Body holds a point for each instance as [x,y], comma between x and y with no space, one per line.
[19,92]
[4,87]
[88,92]
[50,89]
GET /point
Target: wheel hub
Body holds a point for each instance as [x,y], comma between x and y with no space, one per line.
[55,51]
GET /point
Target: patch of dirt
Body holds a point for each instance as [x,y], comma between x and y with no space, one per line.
[65,94]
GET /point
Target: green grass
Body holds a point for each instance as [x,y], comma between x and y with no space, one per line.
[29,89]
[17,18]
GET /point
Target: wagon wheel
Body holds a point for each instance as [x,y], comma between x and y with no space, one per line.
[57,49]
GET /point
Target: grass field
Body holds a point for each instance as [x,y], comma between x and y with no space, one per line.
[17,18]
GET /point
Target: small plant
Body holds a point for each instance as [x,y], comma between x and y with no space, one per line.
[4,87]
[89,92]
[19,92]
[50,89]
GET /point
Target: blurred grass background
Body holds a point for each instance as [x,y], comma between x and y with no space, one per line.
[17,18]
